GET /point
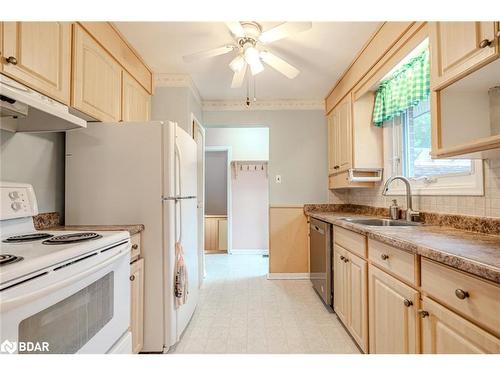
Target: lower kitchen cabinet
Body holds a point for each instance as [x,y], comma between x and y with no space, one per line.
[392,314]
[137,304]
[216,233]
[350,294]
[444,332]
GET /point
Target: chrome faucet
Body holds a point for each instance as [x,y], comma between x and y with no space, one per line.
[410,214]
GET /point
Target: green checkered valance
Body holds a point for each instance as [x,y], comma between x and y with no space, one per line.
[405,88]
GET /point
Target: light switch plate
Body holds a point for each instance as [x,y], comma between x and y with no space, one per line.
[278,179]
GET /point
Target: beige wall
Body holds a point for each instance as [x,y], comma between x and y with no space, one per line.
[246,143]
[37,159]
[297,150]
[487,205]
[175,104]
[250,204]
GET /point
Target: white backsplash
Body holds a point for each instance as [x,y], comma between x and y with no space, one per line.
[487,205]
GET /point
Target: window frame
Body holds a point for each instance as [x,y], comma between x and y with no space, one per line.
[468,183]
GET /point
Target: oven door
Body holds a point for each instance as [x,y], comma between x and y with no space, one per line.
[81,308]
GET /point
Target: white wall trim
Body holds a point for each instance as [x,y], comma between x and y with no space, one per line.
[263,105]
[288,276]
[249,252]
[177,80]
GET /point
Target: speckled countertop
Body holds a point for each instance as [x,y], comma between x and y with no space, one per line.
[476,253]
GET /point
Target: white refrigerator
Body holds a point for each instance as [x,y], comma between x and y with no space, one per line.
[141,173]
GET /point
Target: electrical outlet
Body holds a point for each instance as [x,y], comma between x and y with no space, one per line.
[278,179]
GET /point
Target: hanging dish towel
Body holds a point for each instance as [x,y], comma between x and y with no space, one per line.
[181,277]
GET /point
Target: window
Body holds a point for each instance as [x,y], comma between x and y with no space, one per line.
[416,147]
[402,107]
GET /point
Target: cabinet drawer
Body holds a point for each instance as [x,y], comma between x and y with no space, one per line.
[396,261]
[135,241]
[476,299]
[349,240]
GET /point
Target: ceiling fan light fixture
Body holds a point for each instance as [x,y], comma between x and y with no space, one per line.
[237,63]
[252,57]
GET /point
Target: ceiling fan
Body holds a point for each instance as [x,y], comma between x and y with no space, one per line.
[251,49]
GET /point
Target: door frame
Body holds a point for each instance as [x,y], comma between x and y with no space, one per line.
[196,125]
[228,150]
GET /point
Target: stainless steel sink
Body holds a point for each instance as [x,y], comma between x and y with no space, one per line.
[383,222]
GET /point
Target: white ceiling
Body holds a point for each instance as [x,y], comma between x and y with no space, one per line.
[321,54]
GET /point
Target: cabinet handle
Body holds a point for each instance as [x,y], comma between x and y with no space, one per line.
[11,60]
[346,260]
[135,246]
[485,43]
[132,277]
[423,313]
[461,294]
[336,167]
[342,257]
[407,302]
[384,256]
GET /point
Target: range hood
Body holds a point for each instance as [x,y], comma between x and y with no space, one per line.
[25,110]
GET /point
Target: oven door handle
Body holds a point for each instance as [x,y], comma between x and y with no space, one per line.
[12,303]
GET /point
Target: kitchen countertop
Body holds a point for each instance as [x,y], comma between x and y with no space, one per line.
[131,228]
[475,253]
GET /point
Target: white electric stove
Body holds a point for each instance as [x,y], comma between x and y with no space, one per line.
[60,291]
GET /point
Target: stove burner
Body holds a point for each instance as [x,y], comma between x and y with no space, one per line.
[8,259]
[27,237]
[72,238]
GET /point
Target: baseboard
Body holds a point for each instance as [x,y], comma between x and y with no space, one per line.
[249,252]
[288,276]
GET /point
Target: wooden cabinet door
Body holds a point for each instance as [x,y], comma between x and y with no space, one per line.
[344,135]
[137,304]
[135,100]
[222,234]
[358,299]
[340,283]
[457,49]
[331,142]
[97,79]
[392,315]
[210,234]
[444,332]
[42,51]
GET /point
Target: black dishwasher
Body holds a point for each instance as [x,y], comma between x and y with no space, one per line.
[321,272]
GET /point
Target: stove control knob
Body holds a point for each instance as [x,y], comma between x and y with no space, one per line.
[16,206]
[13,195]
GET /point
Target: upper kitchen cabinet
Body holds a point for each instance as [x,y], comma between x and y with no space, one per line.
[465,76]
[135,100]
[38,54]
[340,137]
[97,79]
[457,48]
[354,145]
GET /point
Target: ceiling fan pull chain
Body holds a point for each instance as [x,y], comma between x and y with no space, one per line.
[254,89]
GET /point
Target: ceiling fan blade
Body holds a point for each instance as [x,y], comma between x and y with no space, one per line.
[239,77]
[236,29]
[279,64]
[209,53]
[284,30]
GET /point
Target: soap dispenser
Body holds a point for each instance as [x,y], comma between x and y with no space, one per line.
[394,210]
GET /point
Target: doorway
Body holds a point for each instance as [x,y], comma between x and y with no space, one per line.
[218,216]
[198,133]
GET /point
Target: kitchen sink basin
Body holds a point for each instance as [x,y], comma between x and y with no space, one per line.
[383,222]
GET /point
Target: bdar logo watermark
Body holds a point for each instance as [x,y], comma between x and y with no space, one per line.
[23,346]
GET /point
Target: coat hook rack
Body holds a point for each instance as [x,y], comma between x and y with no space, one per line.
[250,166]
